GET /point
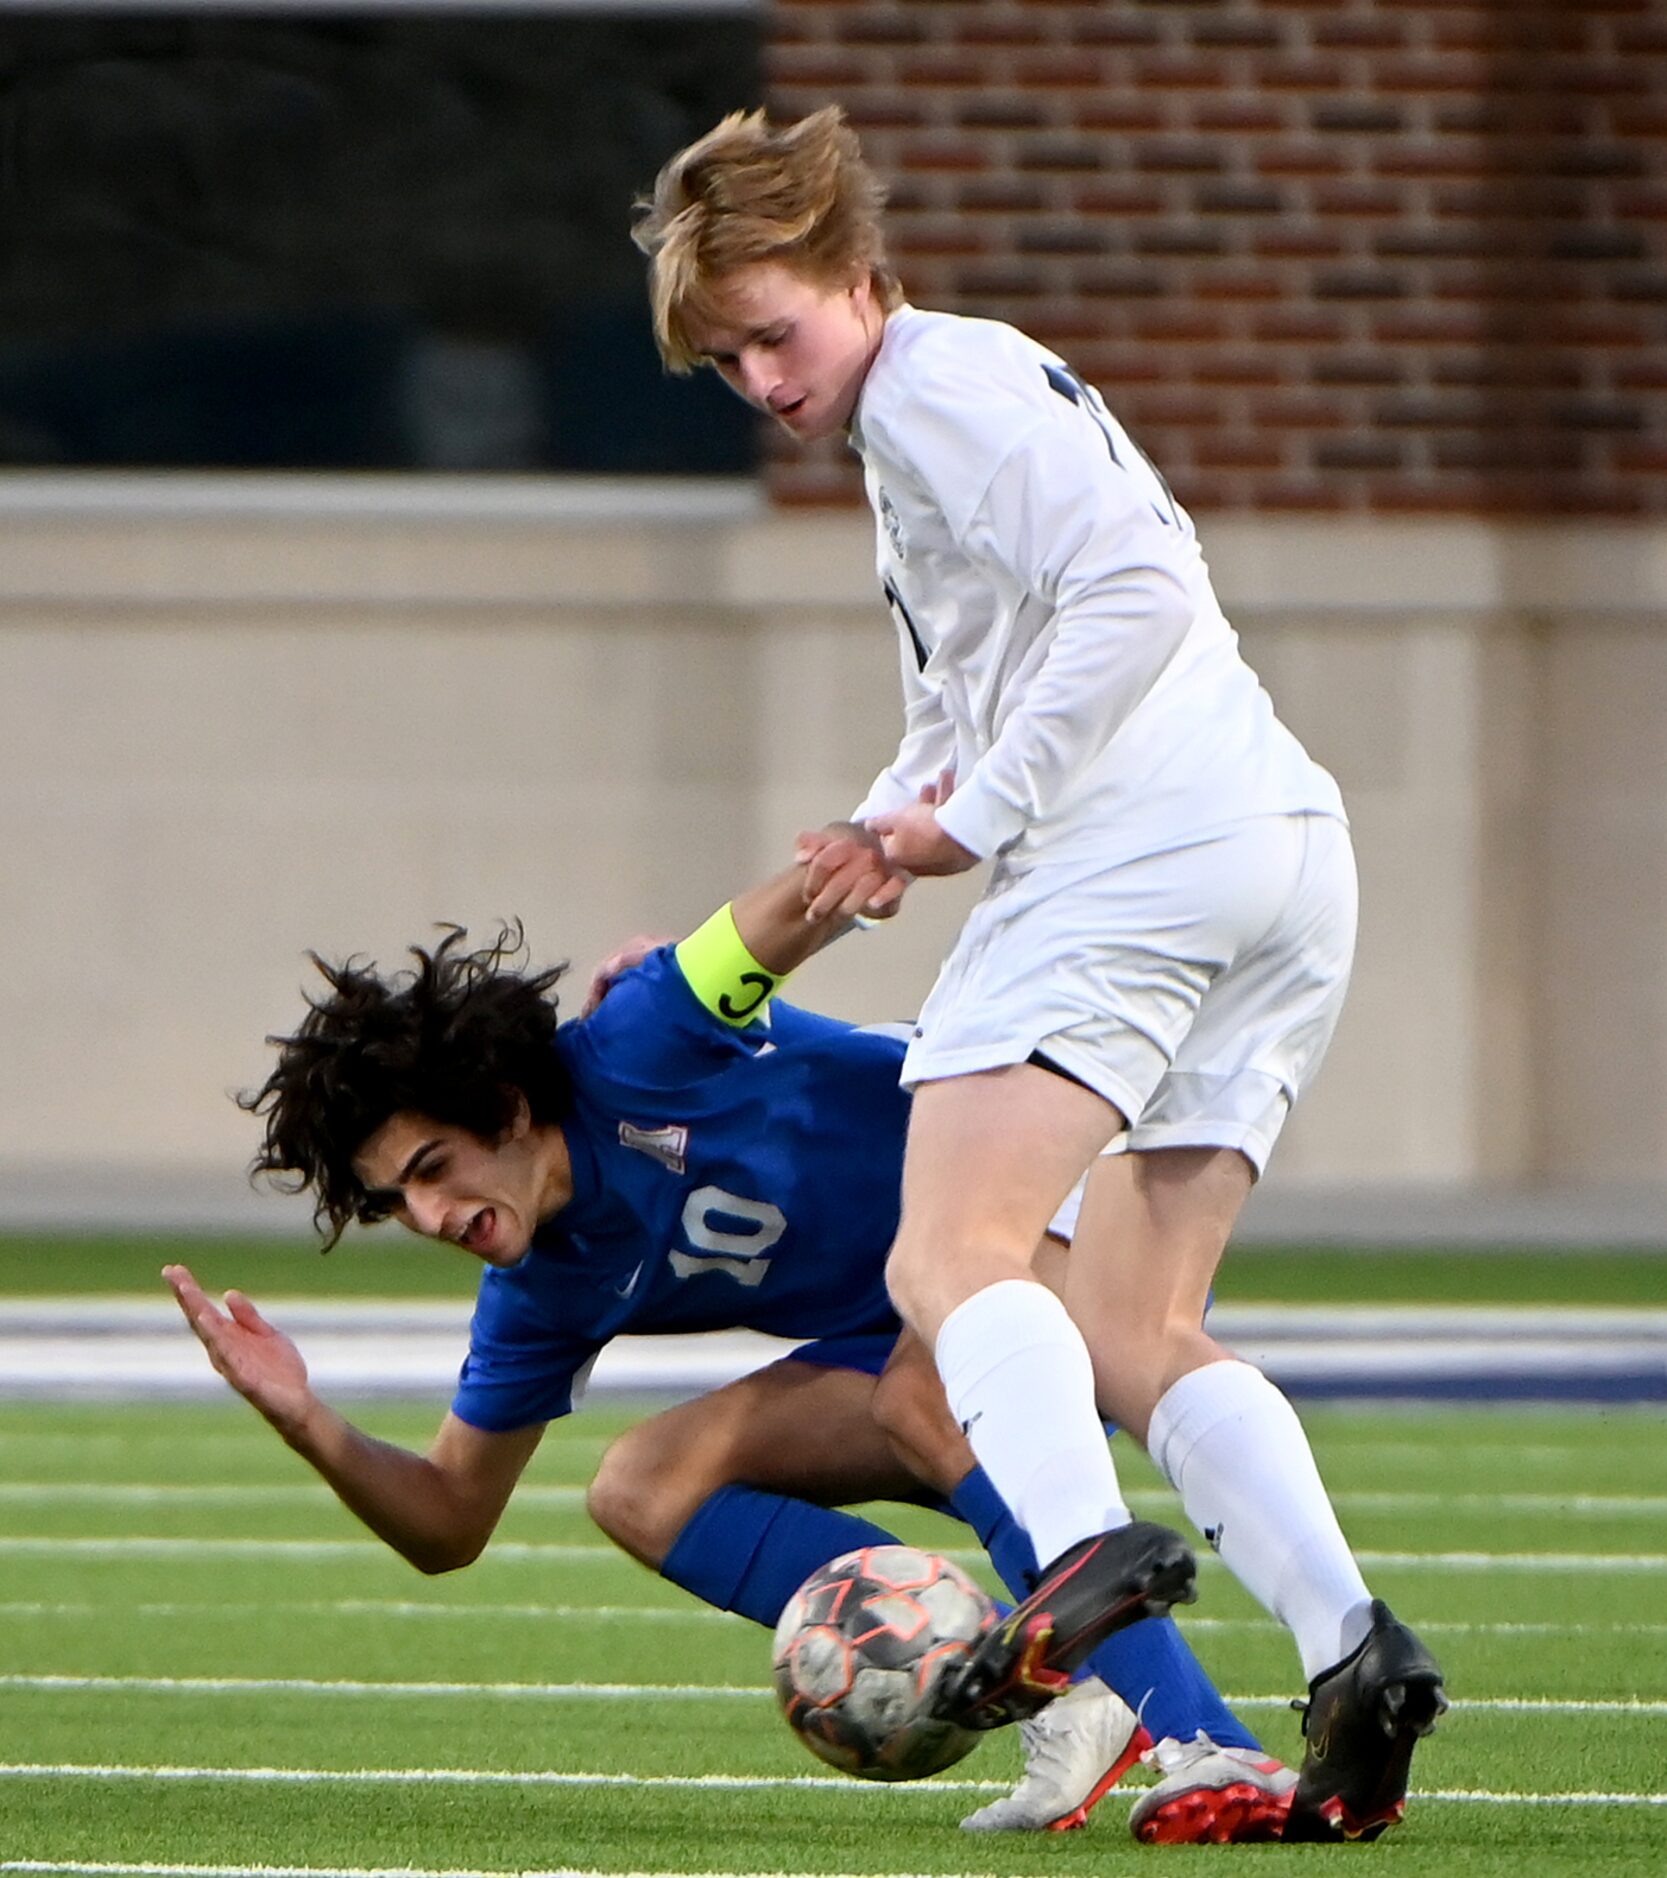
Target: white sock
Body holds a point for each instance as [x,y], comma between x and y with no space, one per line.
[1232,1447]
[1019,1381]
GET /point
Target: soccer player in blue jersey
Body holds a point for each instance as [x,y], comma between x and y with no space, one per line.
[690,1156]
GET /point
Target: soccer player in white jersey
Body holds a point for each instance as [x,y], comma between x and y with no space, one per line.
[1151,977]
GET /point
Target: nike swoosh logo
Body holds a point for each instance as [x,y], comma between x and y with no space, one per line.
[630,1285]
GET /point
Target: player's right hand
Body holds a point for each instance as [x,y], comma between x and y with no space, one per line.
[847,873]
[255,1357]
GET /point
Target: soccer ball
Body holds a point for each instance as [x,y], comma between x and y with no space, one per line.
[859,1653]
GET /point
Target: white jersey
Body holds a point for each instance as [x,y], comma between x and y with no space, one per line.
[1062,649]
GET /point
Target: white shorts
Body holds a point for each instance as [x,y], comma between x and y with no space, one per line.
[1195,990]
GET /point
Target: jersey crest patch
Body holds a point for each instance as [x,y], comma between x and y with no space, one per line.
[669,1145]
[892,522]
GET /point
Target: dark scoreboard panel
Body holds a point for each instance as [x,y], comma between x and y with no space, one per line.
[387,239]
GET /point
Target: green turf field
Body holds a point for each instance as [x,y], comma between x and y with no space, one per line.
[206,1665]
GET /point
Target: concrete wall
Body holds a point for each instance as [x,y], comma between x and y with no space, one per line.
[235,724]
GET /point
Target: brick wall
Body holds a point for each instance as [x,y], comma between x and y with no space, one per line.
[1362,255]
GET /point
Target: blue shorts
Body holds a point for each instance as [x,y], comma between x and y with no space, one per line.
[866,1350]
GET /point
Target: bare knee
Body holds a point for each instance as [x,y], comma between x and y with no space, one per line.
[911,1412]
[644,1492]
[931,1272]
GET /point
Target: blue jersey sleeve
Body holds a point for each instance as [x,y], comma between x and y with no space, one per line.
[522,1366]
[652,1033]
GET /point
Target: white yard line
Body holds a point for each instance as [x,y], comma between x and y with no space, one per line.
[671,1691]
[1517,1561]
[301,1493]
[524,1551]
[697,1614]
[220,1546]
[165,1493]
[1268,1626]
[1335,1442]
[691,1613]
[421,1691]
[1590,1504]
[106,1870]
[493,1777]
[478,1777]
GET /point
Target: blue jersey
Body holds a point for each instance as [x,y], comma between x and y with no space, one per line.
[723,1179]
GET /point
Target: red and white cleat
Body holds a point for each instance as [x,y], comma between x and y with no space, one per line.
[1076,1751]
[1210,1795]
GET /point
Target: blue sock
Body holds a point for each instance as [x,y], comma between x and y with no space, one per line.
[747,1551]
[976,1501]
[1150,1665]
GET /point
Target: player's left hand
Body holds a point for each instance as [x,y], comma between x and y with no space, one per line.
[616,965]
[913,841]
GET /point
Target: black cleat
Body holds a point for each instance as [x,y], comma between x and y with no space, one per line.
[1100,1585]
[1362,1721]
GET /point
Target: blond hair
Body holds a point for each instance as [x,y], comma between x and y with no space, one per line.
[749,191]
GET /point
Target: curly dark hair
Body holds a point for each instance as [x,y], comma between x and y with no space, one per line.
[461,1038]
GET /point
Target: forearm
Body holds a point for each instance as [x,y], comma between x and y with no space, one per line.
[436,1510]
[770,919]
[403,1497]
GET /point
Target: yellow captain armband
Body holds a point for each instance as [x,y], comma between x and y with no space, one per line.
[722,973]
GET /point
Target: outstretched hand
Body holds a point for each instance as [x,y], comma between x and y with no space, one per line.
[255,1357]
